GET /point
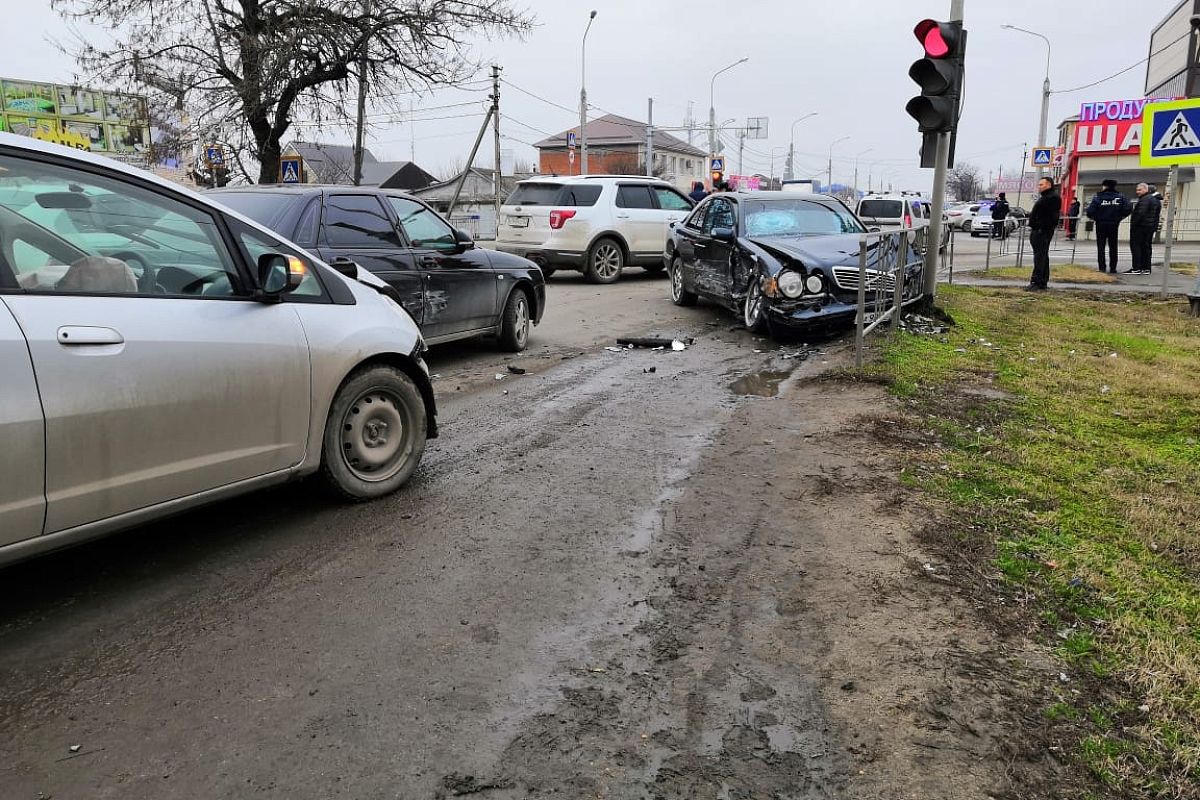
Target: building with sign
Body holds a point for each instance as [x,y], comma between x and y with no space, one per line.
[1104,141]
[617,146]
[334,163]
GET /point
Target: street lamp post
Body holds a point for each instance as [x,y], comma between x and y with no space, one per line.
[583,161]
[790,172]
[712,114]
[1045,90]
[856,158]
[829,176]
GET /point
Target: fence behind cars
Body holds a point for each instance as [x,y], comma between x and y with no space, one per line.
[883,263]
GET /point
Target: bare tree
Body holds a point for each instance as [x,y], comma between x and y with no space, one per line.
[258,65]
[964,181]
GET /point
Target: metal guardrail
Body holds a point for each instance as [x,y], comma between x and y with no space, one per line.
[881,285]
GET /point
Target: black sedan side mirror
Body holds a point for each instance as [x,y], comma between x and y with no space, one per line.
[464,240]
[277,275]
[724,234]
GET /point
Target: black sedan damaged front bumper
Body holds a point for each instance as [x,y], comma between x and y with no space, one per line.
[808,313]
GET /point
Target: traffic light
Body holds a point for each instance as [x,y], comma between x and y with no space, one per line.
[940,76]
[717,176]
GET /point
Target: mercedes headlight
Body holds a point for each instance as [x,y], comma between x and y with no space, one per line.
[814,284]
[790,283]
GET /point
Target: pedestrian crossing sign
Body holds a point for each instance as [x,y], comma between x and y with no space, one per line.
[1171,133]
[290,169]
[1041,156]
[718,164]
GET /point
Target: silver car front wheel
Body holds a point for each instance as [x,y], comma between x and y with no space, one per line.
[375,433]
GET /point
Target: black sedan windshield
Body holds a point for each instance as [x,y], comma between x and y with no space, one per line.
[797,217]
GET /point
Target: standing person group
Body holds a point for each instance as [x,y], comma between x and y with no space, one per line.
[1142,225]
[1043,219]
[1107,209]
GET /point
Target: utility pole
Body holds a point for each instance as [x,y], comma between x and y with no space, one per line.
[496,129]
[741,147]
[487,120]
[362,100]
[690,121]
[649,137]
[583,159]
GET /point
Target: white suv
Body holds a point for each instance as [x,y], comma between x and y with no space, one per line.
[597,224]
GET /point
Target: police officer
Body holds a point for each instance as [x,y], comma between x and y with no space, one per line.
[1107,209]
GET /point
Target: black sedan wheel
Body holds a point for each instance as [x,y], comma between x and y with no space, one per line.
[754,313]
[514,324]
[679,295]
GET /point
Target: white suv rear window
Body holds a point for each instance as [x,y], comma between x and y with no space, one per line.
[880,209]
[554,194]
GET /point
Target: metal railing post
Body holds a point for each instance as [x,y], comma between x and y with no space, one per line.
[862,301]
[987,261]
[952,237]
[898,288]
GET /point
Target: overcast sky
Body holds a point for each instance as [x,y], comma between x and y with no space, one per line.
[846,60]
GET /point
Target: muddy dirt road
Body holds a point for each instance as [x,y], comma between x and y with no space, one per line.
[634,574]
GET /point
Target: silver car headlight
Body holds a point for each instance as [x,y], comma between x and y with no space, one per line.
[790,283]
[814,284]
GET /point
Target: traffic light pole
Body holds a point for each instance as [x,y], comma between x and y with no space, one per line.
[933,241]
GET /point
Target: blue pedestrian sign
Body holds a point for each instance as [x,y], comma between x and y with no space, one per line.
[571,139]
[214,155]
[718,164]
[1042,156]
[289,169]
[1171,133]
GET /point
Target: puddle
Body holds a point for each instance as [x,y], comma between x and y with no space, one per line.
[759,384]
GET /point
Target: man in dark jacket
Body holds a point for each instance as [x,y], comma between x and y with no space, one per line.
[1073,218]
[1043,219]
[697,194]
[1107,209]
[1142,226]
[999,214]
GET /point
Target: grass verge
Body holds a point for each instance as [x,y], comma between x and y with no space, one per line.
[1067,433]
[1059,273]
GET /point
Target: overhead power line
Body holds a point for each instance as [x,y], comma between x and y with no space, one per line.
[1134,65]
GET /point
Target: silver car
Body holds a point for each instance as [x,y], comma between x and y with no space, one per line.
[158,351]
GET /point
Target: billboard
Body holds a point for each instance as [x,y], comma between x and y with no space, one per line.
[112,123]
[1111,127]
[1171,58]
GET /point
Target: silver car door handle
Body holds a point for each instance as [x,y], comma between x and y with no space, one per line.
[622,216]
[87,334]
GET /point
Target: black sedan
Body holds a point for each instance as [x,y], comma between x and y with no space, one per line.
[452,289]
[785,262]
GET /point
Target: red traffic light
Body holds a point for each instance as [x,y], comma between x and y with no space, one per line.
[939,39]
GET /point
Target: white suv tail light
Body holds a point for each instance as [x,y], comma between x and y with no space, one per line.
[558,217]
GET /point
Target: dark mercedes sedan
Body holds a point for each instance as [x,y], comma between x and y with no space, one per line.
[451,288]
[786,262]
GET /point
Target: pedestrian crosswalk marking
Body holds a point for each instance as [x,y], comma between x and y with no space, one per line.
[1179,135]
